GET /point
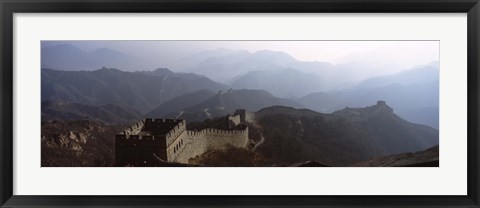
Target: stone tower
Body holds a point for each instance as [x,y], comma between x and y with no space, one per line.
[242,113]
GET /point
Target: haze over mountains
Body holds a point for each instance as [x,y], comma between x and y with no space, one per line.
[140,90]
[414,94]
[225,65]
[303,110]
[70,58]
[210,105]
[320,86]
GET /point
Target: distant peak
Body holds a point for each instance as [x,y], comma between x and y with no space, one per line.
[103,49]
[162,71]
[63,48]
[381,103]
[380,108]
[271,53]
[108,69]
[383,107]
[222,50]
[265,51]
[64,45]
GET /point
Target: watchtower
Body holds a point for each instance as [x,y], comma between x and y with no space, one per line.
[145,139]
[242,113]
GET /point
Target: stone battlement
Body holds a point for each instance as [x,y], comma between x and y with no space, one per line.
[134,129]
[162,120]
[139,140]
[169,140]
[218,132]
[362,114]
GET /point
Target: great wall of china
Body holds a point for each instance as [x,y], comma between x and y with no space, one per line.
[170,141]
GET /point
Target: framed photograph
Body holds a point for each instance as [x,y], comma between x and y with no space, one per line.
[266,103]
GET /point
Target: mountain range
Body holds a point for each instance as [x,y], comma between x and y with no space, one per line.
[225,66]
[424,158]
[60,110]
[414,94]
[342,138]
[286,83]
[70,58]
[301,112]
[162,92]
[141,91]
[369,136]
[103,94]
[265,69]
[283,136]
[203,104]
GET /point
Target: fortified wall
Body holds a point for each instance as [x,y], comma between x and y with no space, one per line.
[199,142]
[169,140]
[241,116]
[147,137]
[363,114]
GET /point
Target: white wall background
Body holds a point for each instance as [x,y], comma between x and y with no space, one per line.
[449,178]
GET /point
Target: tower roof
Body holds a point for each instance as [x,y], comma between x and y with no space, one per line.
[159,126]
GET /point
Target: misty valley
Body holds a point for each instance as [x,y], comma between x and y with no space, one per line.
[235,108]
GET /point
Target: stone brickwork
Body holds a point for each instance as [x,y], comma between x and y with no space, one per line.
[169,140]
[233,120]
[245,116]
[198,142]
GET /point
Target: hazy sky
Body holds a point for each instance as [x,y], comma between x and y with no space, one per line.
[168,53]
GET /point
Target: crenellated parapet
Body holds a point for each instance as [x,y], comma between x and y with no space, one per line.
[136,128]
[218,132]
[245,116]
[169,140]
[173,134]
[140,140]
[241,113]
[163,122]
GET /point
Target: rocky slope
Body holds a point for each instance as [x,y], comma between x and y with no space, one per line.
[425,158]
[78,144]
[60,110]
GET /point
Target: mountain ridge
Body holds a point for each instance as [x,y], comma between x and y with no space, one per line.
[138,90]
[338,139]
[226,102]
[397,90]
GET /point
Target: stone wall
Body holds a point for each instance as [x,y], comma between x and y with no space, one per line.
[177,144]
[233,120]
[245,116]
[199,142]
[220,139]
[194,145]
[134,145]
[136,128]
[178,147]
[175,132]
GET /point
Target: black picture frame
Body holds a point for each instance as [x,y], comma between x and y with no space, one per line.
[9,7]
